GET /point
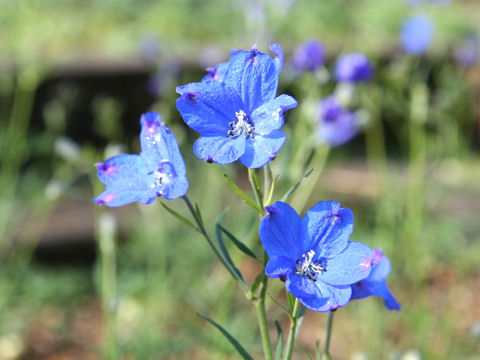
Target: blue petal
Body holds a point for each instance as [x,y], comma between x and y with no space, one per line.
[261,149]
[253,75]
[126,179]
[216,73]
[327,297]
[219,149]
[366,288]
[381,266]
[279,266]
[327,228]
[159,144]
[208,107]
[350,266]
[300,286]
[278,51]
[175,188]
[269,116]
[279,231]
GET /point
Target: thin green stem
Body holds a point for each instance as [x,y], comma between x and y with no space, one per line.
[207,237]
[289,346]
[260,303]
[326,350]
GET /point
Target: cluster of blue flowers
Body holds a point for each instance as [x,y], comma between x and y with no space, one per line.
[238,114]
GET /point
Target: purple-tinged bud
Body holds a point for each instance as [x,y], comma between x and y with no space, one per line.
[336,124]
[354,67]
[309,56]
[467,53]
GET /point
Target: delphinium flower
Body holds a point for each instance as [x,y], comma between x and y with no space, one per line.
[336,124]
[310,56]
[376,283]
[416,36]
[238,117]
[159,170]
[353,68]
[313,254]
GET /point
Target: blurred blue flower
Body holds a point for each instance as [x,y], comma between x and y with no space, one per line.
[353,67]
[376,283]
[416,36]
[336,124]
[239,117]
[159,170]
[309,56]
[313,255]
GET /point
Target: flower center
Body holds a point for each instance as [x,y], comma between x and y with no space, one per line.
[308,267]
[163,175]
[242,126]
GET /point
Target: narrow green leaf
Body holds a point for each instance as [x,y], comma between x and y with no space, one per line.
[256,283]
[180,217]
[197,209]
[280,305]
[268,200]
[300,317]
[223,248]
[267,182]
[294,187]
[241,246]
[291,301]
[279,347]
[240,349]
[242,194]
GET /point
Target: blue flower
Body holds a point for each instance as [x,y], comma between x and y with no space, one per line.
[313,255]
[376,283]
[336,124]
[309,56]
[353,67]
[238,117]
[159,170]
[416,36]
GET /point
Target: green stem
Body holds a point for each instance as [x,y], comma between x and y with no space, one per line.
[326,351]
[210,242]
[260,303]
[289,346]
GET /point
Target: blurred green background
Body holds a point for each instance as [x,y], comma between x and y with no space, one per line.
[75,77]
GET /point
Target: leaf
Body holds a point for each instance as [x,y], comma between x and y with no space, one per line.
[279,347]
[241,246]
[240,349]
[291,300]
[180,217]
[294,187]
[300,317]
[244,196]
[280,305]
[268,200]
[223,249]
[197,209]
[256,283]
